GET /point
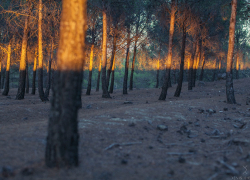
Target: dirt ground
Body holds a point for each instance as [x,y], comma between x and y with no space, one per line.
[135,137]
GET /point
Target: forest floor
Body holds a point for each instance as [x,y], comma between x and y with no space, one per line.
[125,138]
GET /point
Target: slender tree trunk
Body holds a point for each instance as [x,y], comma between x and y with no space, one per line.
[90,69]
[214,70]
[105,93]
[157,73]
[229,77]
[179,86]
[112,77]
[0,72]
[7,81]
[40,55]
[196,62]
[22,67]
[133,68]
[125,80]
[202,68]
[190,71]
[63,137]
[169,60]
[34,75]
[46,93]
[237,66]
[113,54]
[3,77]
[99,74]
[27,76]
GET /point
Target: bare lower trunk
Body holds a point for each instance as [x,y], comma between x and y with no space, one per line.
[46,93]
[27,78]
[21,85]
[3,78]
[7,82]
[34,83]
[179,86]
[202,69]
[190,71]
[112,78]
[157,78]
[90,68]
[125,80]
[132,69]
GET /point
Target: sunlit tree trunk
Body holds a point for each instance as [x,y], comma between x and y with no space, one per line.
[111,89]
[63,137]
[169,59]
[196,62]
[27,76]
[105,93]
[190,71]
[133,68]
[183,47]
[99,74]
[157,73]
[46,93]
[113,54]
[22,66]
[91,62]
[34,74]
[237,66]
[229,77]
[202,67]
[125,80]
[7,80]
[40,55]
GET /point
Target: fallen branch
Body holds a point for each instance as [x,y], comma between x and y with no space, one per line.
[231,168]
[122,144]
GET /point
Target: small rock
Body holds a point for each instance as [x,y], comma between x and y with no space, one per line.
[211,111]
[132,124]
[127,102]
[146,102]
[192,135]
[124,161]
[201,83]
[181,159]
[235,164]
[150,147]
[8,97]
[248,101]
[88,106]
[233,108]
[227,118]
[201,110]
[190,122]
[203,140]
[170,173]
[25,118]
[27,171]
[149,122]
[197,124]
[7,171]
[225,109]
[162,127]
[222,76]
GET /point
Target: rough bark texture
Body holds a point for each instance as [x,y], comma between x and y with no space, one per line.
[169,60]
[125,80]
[202,69]
[22,68]
[27,84]
[3,78]
[105,93]
[7,81]
[190,71]
[196,62]
[237,66]
[90,66]
[133,68]
[34,75]
[0,71]
[214,71]
[229,78]
[63,137]
[112,78]
[46,93]
[183,47]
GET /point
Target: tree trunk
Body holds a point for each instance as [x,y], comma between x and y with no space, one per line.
[190,71]
[90,69]
[113,54]
[105,93]
[7,81]
[22,67]
[202,68]
[237,66]
[196,62]
[99,74]
[125,80]
[27,76]
[40,55]
[179,86]
[169,60]
[133,68]
[157,73]
[229,77]
[63,137]
[112,78]
[34,75]
[46,93]
[0,71]
[214,70]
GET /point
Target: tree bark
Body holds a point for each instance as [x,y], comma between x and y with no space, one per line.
[46,93]
[125,80]
[34,75]
[133,68]
[7,80]
[202,68]
[214,70]
[179,86]
[22,67]
[27,77]
[99,74]
[196,62]
[105,93]
[190,71]
[111,89]
[237,66]
[63,137]
[229,77]
[169,60]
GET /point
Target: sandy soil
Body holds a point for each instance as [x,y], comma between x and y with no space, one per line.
[120,138]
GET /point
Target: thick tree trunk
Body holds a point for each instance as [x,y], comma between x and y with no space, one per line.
[179,86]
[105,93]
[3,78]
[133,68]
[169,60]
[63,137]
[157,73]
[34,75]
[125,80]
[111,89]
[237,66]
[7,81]
[46,93]
[90,69]
[99,74]
[27,77]
[113,55]
[202,68]
[22,67]
[40,55]
[229,78]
